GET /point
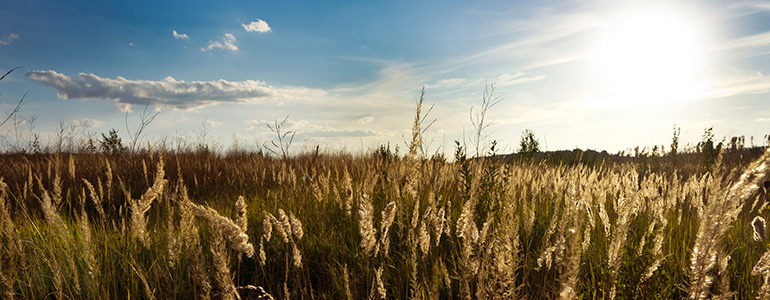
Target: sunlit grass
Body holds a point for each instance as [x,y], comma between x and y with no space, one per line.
[375,226]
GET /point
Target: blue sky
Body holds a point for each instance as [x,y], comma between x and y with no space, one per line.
[590,74]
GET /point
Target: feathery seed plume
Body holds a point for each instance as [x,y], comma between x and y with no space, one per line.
[95,198]
[238,239]
[439,225]
[262,254]
[759,228]
[388,215]
[296,226]
[365,225]
[71,167]
[716,218]
[222,278]
[141,206]
[240,214]
[348,294]
[278,226]
[424,238]
[267,226]
[296,256]
[283,220]
[381,292]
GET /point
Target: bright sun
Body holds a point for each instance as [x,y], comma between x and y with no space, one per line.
[648,57]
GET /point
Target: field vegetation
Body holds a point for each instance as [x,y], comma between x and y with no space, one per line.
[123,222]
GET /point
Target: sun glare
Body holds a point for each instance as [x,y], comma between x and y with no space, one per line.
[648,57]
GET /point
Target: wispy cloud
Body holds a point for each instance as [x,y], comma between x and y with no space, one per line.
[763,120]
[344,133]
[182,36]
[307,129]
[741,83]
[518,78]
[752,5]
[167,93]
[544,40]
[500,81]
[226,43]
[7,41]
[88,123]
[750,43]
[257,26]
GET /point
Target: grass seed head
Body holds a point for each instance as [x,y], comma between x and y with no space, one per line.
[759,228]
[296,226]
[240,214]
[283,220]
[381,292]
[296,256]
[267,226]
[365,225]
[238,239]
[262,254]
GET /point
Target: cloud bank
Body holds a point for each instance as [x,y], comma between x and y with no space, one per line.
[167,93]
[257,26]
[226,43]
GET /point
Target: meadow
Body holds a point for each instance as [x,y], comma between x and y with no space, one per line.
[117,222]
[157,224]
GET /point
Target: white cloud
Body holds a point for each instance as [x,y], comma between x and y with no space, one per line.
[764,120]
[169,92]
[257,26]
[88,123]
[226,43]
[131,44]
[180,36]
[10,38]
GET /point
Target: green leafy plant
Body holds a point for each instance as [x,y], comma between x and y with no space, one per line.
[112,143]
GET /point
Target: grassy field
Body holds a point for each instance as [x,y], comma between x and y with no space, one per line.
[170,225]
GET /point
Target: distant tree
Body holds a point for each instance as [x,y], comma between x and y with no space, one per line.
[112,144]
[737,143]
[529,145]
[710,153]
[90,146]
[675,140]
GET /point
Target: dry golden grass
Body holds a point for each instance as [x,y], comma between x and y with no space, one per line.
[101,226]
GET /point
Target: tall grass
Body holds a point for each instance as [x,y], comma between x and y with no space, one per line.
[338,226]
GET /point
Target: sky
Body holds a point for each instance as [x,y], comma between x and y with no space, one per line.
[346,75]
